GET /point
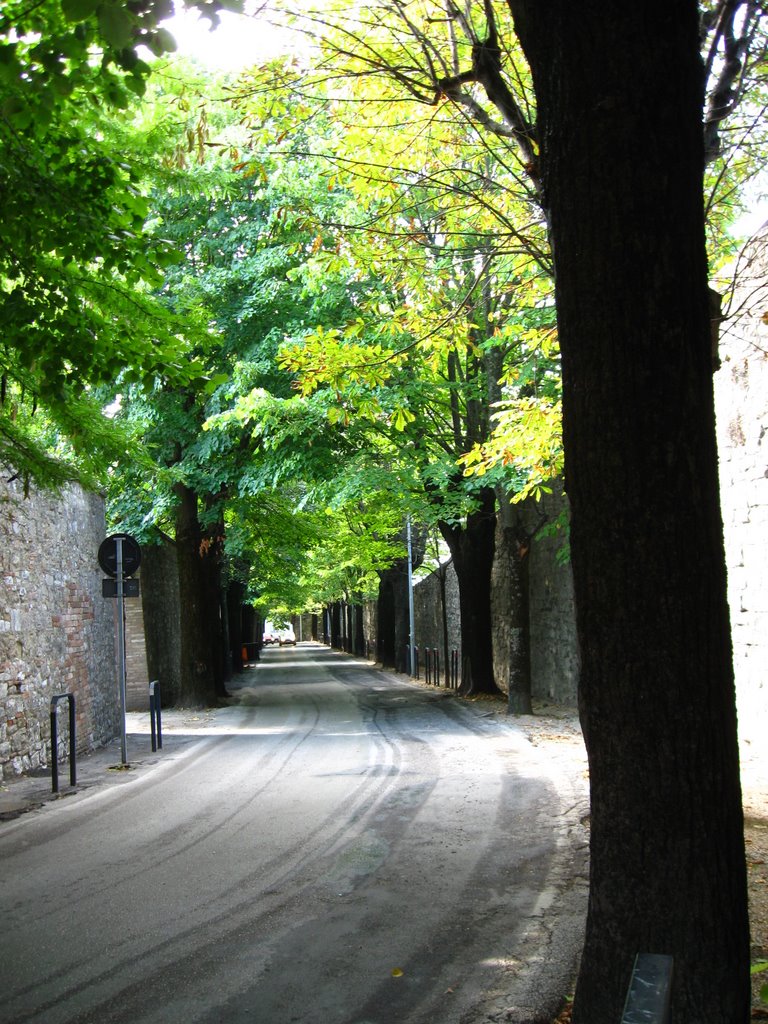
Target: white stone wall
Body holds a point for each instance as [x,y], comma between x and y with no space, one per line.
[741,402]
[57,633]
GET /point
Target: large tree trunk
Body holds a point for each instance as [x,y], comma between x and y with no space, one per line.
[392,617]
[442,575]
[510,608]
[235,595]
[160,608]
[197,683]
[619,89]
[214,597]
[336,638]
[472,546]
[359,635]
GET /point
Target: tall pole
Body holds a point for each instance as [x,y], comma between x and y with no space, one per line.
[121,647]
[411,616]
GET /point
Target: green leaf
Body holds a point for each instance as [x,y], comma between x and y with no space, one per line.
[116,25]
[166,41]
[79,10]
[215,382]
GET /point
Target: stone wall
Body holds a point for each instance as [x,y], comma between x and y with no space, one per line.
[741,403]
[57,633]
[554,651]
[554,648]
[428,616]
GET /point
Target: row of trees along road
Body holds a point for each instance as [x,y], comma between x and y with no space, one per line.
[304,319]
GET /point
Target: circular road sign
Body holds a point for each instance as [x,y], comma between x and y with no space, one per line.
[108,554]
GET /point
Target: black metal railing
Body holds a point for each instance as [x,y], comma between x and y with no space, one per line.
[432,666]
[155,715]
[453,675]
[55,700]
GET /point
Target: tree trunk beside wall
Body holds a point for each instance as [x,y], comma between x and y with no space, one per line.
[471,545]
[160,606]
[619,91]
[198,652]
[510,611]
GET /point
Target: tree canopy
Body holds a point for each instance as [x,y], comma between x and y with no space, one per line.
[78,259]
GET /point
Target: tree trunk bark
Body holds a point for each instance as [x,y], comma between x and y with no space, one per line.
[235,595]
[359,634]
[197,682]
[385,620]
[392,617]
[442,574]
[510,609]
[472,546]
[336,639]
[213,595]
[349,634]
[160,608]
[619,92]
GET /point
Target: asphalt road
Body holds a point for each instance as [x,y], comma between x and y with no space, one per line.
[344,848]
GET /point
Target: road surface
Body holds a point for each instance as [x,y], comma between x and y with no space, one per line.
[345,847]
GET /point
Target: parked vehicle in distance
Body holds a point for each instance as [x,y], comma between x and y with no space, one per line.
[271,635]
[274,635]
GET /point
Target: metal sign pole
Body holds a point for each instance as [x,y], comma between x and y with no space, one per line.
[121,647]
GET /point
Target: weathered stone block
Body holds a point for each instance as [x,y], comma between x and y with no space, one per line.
[58,632]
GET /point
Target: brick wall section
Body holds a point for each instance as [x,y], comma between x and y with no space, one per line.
[56,631]
[741,402]
[136,674]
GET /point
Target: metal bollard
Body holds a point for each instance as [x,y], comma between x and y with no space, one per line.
[155,720]
[70,698]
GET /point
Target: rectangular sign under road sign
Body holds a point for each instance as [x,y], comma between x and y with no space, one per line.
[130,588]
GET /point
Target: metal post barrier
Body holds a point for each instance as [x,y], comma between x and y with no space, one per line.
[648,996]
[415,662]
[155,715]
[436,667]
[70,698]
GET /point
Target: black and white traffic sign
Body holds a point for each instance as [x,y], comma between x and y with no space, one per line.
[108,554]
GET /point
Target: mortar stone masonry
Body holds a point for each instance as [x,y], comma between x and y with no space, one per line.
[57,633]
